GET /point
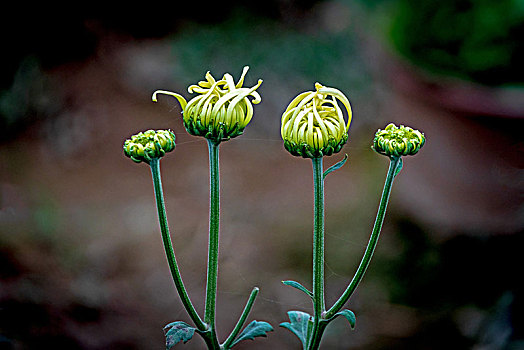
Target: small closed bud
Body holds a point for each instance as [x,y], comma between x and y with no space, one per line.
[148,145]
[399,141]
[222,109]
[313,124]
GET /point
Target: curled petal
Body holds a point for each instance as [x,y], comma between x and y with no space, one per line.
[241,80]
[180,98]
[340,96]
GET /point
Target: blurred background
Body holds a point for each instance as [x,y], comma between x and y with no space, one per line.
[81,259]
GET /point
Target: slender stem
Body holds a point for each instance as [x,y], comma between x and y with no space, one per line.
[168,247]
[242,319]
[317,335]
[373,240]
[214,215]
[318,247]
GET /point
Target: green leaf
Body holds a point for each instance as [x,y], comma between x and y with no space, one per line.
[335,166]
[399,167]
[301,324]
[299,287]
[176,332]
[254,329]
[349,315]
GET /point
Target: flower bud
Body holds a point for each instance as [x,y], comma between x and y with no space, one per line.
[222,109]
[148,145]
[313,124]
[396,141]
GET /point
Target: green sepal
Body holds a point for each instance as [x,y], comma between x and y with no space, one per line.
[328,150]
[399,166]
[306,151]
[176,332]
[335,166]
[301,324]
[254,329]
[348,314]
[299,287]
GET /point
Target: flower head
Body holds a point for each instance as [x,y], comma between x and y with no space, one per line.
[150,144]
[399,141]
[313,124]
[221,110]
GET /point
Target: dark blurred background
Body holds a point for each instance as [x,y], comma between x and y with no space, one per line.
[81,258]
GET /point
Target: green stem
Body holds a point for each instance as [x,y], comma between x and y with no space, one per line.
[318,250]
[242,319]
[317,335]
[373,240]
[214,216]
[168,247]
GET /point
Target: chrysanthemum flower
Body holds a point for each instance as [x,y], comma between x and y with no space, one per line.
[313,124]
[399,141]
[222,108]
[148,145]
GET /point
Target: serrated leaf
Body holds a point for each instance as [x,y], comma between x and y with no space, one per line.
[349,315]
[301,324]
[335,166]
[299,287]
[254,329]
[399,166]
[176,332]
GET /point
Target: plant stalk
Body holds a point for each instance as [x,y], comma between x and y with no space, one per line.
[373,240]
[318,251]
[214,217]
[168,247]
[241,320]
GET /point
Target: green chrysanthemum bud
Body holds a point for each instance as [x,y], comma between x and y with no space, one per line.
[222,109]
[148,145]
[396,141]
[313,124]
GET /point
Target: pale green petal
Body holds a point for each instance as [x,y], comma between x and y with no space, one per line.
[180,98]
